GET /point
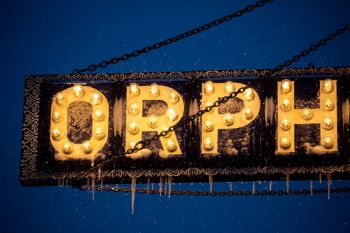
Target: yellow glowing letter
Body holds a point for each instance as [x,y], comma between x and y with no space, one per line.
[65,149]
[213,121]
[136,123]
[325,116]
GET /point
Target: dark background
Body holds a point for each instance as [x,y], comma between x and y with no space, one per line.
[49,37]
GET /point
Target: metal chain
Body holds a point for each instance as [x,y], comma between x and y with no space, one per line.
[227,193]
[147,49]
[142,144]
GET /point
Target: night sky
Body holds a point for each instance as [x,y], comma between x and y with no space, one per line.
[55,37]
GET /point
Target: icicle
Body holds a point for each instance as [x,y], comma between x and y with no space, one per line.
[320,178]
[133,190]
[148,180]
[211,183]
[329,182]
[253,188]
[165,184]
[287,183]
[170,183]
[152,186]
[270,185]
[99,174]
[93,182]
[88,184]
[311,187]
[92,163]
[230,186]
[160,185]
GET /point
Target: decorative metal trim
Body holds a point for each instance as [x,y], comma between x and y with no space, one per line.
[31,123]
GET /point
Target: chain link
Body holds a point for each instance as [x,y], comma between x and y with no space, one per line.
[147,49]
[296,192]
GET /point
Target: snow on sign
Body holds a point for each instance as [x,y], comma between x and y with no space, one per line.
[295,124]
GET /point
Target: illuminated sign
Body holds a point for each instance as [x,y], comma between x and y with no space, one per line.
[294,124]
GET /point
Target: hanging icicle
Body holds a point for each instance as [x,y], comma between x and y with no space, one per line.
[93,182]
[311,187]
[253,188]
[270,185]
[170,183]
[165,184]
[287,183]
[211,183]
[148,181]
[329,182]
[99,174]
[160,185]
[230,186]
[320,178]
[88,187]
[133,191]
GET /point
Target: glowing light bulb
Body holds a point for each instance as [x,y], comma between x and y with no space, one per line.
[286,86]
[208,126]
[209,87]
[285,143]
[307,114]
[132,144]
[172,115]
[99,134]
[78,91]
[173,97]
[59,98]
[153,122]
[99,116]
[285,106]
[134,89]
[285,125]
[208,144]
[229,87]
[228,119]
[134,108]
[248,113]
[133,129]
[56,133]
[327,142]
[327,86]
[248,94]
[67,148]
[170,145]
[328,123]
[96,99]
[154,90]
[328,104]
[87,147]
[56,116]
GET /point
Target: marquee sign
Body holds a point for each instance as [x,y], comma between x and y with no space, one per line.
[295,124]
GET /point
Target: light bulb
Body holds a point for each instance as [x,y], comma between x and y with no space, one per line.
[208,126]
[208,144]
[56,133]
[328,104]
[154,90]
[285,106]
[248,113]
[172,115]
[209,87]
[153,122]
[87,147]
[99,134]
[328,123]
[285,125]
[78,91]
[228,119]
[170,145]
[56,116]
[307,114]
[134,108]
[249,94]
[327,142]
[99,116]
[285,143]
[134,89]
[327,86]
[67,148]
[173,97]
[229,87]
[286,86]
[59,98]
[133,129]
[96,99]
